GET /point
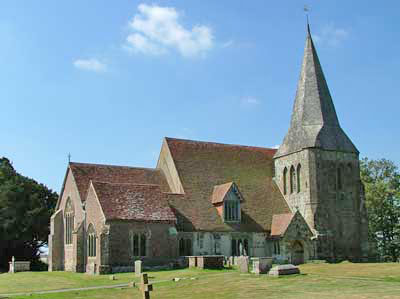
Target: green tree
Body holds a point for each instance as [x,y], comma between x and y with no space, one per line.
[381,179]
[25,210]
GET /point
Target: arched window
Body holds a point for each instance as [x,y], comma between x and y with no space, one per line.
[232,207]
[138,244]
[339,177]
[292,180]
[69,221]
[143,245]
[185,247]
[234,248]
[298,178]
[284,178]
[91,241]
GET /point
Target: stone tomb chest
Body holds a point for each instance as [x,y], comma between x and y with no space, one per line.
[207,261]
[19,266]
[284,270]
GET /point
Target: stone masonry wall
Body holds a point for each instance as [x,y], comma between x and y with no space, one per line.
[332,214]
[161,242]
[70,191]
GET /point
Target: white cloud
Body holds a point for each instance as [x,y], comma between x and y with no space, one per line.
[91,64]
[276,146]
[140,43]
[157,29]
[331,35]
[250,100]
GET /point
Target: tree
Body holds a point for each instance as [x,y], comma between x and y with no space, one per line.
[381,179]
[25,210]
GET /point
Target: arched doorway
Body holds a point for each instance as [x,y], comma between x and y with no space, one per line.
[297,253]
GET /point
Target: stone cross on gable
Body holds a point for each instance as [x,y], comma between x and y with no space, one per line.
[145,287]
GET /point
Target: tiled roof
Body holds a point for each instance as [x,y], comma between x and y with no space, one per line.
[220,192]
[84,173]
[133,202]
[280,223]
[202,165]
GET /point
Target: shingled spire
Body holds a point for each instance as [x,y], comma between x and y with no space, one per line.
[314,121]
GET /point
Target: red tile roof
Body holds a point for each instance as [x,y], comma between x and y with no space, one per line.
[280,223]
[133,202]
[219,192]
[84,173]
[202,165]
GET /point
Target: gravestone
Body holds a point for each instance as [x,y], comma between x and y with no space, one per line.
[138,268]
[261,265]
[243,264]
[145,287]
[284,270]
[192,261]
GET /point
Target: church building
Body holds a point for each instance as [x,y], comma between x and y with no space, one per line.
[302,201]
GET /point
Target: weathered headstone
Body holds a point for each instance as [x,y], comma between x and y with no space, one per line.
[243,264]
[284,270]
[138,268]
[261,265]
[192,261]
[145,287]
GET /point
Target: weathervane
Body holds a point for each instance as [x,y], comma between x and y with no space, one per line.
[306,10]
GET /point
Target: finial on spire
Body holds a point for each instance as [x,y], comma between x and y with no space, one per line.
[306,10]
[69,157]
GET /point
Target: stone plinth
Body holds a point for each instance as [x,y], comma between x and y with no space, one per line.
[261,265]
[210,262]
[284,270]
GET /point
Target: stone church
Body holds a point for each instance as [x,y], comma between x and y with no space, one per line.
[302,201]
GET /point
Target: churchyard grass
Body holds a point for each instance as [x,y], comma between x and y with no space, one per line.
[344,280]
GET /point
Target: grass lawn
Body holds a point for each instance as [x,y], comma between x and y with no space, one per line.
[344,280]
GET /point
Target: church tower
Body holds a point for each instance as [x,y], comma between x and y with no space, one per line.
[317,168]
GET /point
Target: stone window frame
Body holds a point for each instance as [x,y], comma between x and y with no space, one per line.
[277,247]
[339,177]
[284,179]
[235,246]
[69,216]
[91,241]
[232,209]
[138,241]
[292,178]
[298,174]
[185,246]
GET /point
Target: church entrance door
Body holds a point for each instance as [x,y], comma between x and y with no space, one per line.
[297,253]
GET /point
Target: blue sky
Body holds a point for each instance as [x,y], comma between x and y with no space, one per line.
[107,80]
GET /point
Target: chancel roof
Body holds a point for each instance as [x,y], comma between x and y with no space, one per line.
[133,202]
[203,165]
[83,173]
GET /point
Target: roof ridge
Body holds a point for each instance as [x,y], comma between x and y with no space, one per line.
[111,165]
[221,144]
[128,184]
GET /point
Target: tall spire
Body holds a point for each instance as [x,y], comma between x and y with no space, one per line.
[314,121]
